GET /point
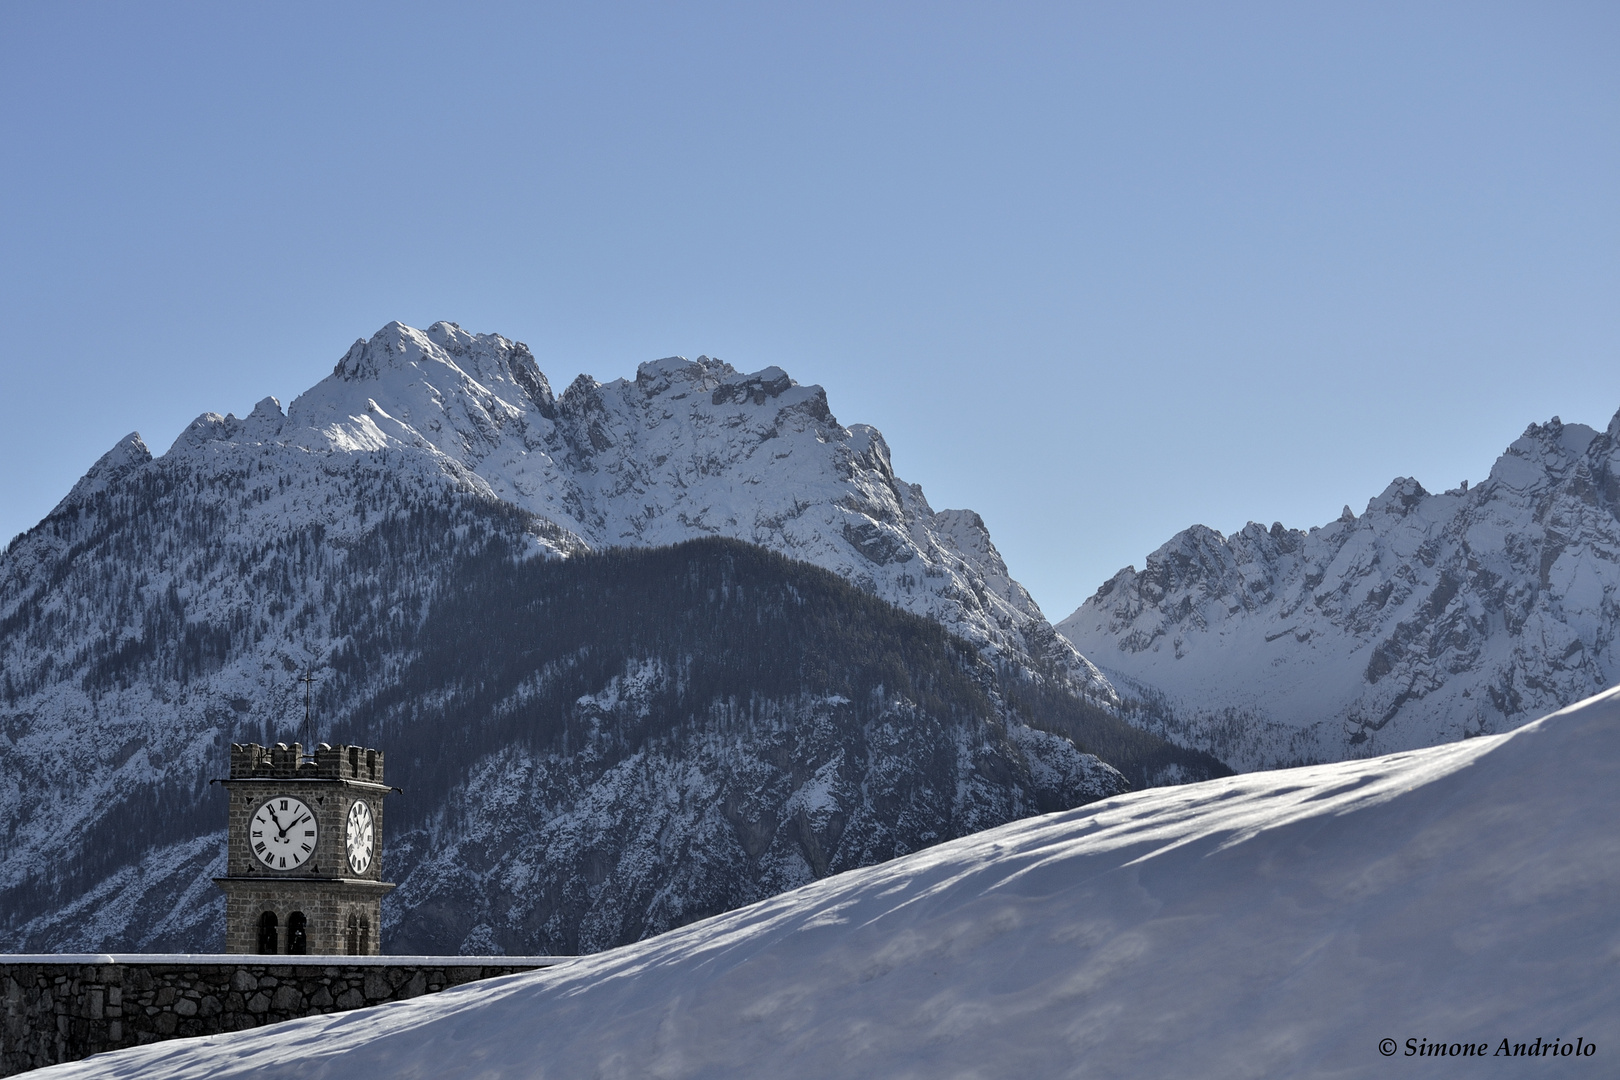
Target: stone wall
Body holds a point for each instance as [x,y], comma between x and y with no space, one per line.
[66,1008]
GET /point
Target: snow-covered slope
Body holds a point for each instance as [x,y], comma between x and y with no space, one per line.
[1431,617]
[166,607]
[1270,924]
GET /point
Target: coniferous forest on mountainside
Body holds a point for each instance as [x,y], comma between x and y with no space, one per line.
[592,749]
[605,677]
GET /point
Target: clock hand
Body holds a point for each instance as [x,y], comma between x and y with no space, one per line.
[296,823]
[270,807]
[284,828]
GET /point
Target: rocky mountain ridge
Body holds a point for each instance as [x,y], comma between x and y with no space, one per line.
[1430,617]
[685,449]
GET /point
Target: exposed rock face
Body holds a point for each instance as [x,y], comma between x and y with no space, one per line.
[167,605]
[1429,618]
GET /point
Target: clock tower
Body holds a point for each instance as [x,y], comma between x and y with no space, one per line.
[304,850]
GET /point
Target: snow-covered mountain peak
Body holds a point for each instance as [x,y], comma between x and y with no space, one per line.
[126,455]
[263,425]
[444,353]
[1556,437]
[761,386]
[686,448]
[1547,453]
[675,377]
[660,376]
[1430,617]
[1402,494]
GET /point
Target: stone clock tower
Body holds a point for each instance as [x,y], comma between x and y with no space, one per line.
[304,850]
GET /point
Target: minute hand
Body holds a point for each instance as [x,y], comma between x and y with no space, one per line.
[295,823]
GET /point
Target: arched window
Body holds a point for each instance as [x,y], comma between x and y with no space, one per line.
[351,940]
[297,944]
[365,936]
[267,932]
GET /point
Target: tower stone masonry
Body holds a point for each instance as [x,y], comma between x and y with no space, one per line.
[304,850]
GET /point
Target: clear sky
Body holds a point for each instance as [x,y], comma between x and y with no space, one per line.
[1097,271]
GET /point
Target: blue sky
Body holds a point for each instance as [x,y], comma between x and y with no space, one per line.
[1097,271]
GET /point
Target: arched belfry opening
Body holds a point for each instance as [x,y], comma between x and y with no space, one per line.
[267,933]
[297,938]
[351,938]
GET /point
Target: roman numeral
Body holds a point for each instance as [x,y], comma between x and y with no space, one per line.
[309,832]
[308,848]
[284,804]
[259,847]
[283,862]
[258,832]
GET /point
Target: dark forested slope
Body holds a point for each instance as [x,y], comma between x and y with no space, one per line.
[610,746]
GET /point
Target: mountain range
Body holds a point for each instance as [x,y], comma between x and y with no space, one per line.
[647,650]
[1429,617]
[612,712]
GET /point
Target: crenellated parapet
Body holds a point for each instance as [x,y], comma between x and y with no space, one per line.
[283,761]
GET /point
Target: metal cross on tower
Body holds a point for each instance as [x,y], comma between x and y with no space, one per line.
[308,680]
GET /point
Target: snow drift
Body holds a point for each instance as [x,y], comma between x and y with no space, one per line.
[1269,924]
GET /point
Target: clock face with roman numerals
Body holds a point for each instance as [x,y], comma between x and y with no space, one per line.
[361,832]
[283,833]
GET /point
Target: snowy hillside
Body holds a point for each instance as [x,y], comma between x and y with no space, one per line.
[1429,618]
[1269,924]
[167,606]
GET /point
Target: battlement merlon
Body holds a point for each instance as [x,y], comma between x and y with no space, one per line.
[250,761]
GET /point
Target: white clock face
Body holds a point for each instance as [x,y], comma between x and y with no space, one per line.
[283,833]
[361,834]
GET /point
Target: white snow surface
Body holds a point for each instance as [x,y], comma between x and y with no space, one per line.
[1270,924]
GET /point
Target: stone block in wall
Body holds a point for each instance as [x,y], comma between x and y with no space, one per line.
[377,986]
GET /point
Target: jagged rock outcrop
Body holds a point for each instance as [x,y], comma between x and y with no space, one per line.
[1429,618]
